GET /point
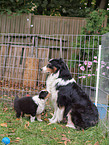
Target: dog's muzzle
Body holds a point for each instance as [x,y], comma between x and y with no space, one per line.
[44,69]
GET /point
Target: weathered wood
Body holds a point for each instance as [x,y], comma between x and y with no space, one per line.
[30,72]
[37,24]
[43,55]
[2,60]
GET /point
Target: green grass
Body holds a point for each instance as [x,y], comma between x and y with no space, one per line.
[23,132]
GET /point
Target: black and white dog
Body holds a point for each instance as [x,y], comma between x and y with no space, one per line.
[68,98]
[31,105]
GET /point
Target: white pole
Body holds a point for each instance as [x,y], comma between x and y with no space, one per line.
[60,47]
[98,74]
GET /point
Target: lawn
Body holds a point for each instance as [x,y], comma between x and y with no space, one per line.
[23,132]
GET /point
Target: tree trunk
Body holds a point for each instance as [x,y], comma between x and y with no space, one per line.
[101,4]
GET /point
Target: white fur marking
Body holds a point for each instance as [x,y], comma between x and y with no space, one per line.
[39,117]
[70,123]
[51,83]
[40,103]
[32,119]
[44,69]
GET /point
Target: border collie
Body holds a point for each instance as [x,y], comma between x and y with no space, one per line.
[68,99]
[31,105]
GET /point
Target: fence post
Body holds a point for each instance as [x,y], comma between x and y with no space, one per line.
[98,74]
[60,47]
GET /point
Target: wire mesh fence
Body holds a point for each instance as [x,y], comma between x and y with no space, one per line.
[103,87]
[22,56]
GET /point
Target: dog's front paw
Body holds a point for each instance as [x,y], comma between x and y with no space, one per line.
[59,120]
[71,126]
[52,121]
[32,119]
[39,119]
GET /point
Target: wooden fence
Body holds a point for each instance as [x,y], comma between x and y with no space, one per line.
[36,24]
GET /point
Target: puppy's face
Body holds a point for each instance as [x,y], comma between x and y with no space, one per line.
[44,94]
[53,65]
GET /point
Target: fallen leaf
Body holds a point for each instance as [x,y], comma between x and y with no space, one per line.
[51,114]
[48,123]
[18,138]
[54,128]
[1,134]
[46,114]
[42,130]
[63,135]
[64,138]
[87,141]
[5,109]
[4,124]
[45,119]
[42,113]
[97,143]
[68,131]
[17,118]
[60,142]
[27,124]
[83,130]
[65,142]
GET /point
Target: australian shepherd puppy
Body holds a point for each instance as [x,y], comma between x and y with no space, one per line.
[31,105]
[68,99]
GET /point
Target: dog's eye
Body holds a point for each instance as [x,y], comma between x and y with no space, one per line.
[50,66]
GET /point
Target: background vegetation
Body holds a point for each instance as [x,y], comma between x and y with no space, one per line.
[78,8]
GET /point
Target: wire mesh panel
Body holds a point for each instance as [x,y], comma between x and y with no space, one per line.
[22,56]
[103,89]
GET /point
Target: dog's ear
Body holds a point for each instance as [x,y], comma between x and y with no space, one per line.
[43,94]
[62,63]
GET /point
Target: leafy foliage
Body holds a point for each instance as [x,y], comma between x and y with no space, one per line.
[78,8]
[15,6]
[94,23]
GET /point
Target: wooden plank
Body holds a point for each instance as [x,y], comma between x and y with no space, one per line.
[31,72]
[0,22]
[43,55]
[17,24]
[27,24]
[22,52]
[12,27]
[8,24]
[2,60]
[3,24]
[8,61]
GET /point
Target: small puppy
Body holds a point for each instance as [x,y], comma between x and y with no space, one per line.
[31,105]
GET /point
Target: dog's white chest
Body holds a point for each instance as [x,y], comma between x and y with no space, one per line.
[51,86]
[40,103]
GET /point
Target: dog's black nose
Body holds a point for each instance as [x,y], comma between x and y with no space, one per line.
[40,69]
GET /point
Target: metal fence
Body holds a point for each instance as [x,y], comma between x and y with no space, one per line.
[103,82]
[22,56]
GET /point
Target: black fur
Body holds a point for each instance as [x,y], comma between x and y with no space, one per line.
[26,105]
[43,94]
[84,113]
[60,65]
